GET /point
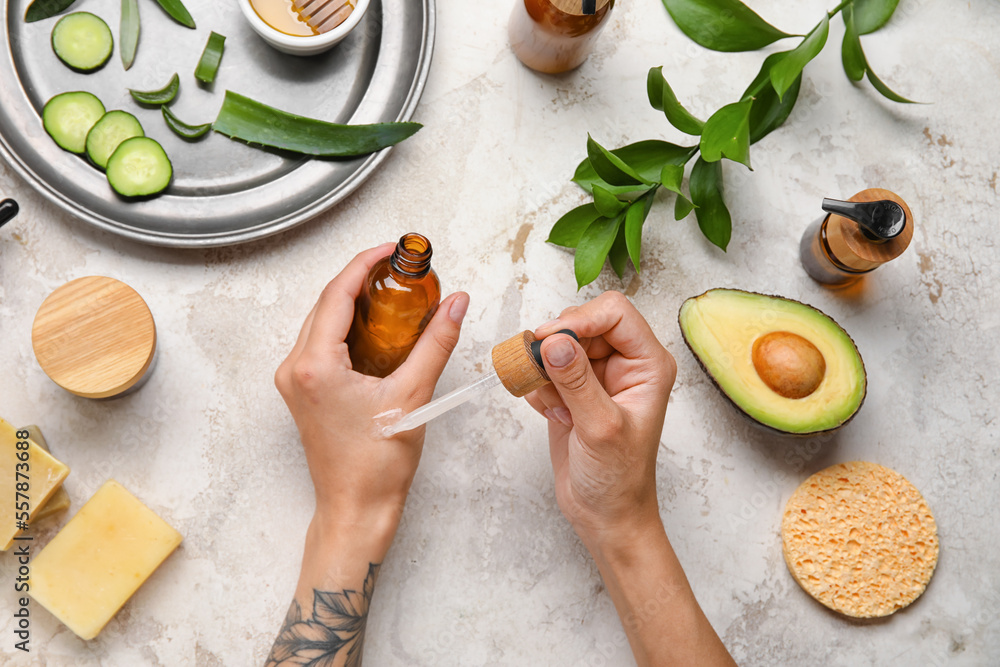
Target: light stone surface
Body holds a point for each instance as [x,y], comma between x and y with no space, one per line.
[484,570]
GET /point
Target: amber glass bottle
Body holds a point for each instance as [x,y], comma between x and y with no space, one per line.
[399,298]
[554,36]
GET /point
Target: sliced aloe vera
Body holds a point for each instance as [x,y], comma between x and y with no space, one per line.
[256,123]
[128,32]
[46,9]
[164,95]
[208,66]
[182,129]
[178,12]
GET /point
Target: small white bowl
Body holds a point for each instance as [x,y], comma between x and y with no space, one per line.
[298,45]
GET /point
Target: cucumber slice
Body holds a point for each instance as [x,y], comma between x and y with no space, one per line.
[82,41]
[113,128]
[69,117]
[139,167]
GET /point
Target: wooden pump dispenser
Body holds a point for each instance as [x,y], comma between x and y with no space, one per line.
[873,227]
[518,363]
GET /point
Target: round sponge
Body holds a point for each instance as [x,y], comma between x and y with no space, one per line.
[860,539]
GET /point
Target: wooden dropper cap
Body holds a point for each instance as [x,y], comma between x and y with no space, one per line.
[518,363]
[94,337]
[855,251]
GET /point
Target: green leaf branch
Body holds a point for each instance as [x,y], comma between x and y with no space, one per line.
[624,181]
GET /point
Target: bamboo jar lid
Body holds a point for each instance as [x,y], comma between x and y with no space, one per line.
[94,337]
[853,249]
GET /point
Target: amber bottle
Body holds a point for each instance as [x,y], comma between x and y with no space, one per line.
[399,298]
[873,227]
[554,36]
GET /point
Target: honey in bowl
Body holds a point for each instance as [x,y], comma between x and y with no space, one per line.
[290,17]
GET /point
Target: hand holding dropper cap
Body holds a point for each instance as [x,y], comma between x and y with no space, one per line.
[517,364]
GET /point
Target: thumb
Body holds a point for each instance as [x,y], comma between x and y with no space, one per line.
[573,376]
[434,347]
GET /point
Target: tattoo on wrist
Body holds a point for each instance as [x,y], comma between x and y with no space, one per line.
[336,629]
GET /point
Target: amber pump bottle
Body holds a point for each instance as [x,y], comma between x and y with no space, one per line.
[554,36]
[856,237]
[399,298]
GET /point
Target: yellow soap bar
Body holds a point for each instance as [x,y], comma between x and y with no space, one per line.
[44,475]
[59,502]
[94,565]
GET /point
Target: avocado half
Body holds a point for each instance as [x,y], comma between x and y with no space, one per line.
[784,364]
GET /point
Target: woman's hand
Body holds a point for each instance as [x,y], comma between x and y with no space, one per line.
[605,408]
[360,476]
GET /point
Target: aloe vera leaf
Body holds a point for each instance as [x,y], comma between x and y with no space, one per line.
[45,9]
[208,66]
[128,37]
[178,12]
[256,123]
[164,95]
[182,129]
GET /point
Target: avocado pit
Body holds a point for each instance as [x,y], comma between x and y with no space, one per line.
[788,363]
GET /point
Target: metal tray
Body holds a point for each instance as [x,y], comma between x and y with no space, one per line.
[223,192]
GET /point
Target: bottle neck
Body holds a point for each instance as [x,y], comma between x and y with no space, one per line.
[412,256]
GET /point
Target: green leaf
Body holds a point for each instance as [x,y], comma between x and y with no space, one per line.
[787,70]
[635,217]
[593,248]
[885,90]
[727,134]
[178,12]
[256,123]
[855,63]
[662,98]
[671,178]
[870,15]
[618,255]
[850,52]
[610,167]
[647,158]
[606,203]
[723,25]
[128,37]
[682,208]
[569,228]
[768,111]
[45,9]
[706,193]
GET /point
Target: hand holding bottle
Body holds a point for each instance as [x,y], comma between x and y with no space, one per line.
[358,473]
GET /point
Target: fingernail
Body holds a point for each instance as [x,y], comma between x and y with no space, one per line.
[563,415]
[547,325]
[458,308]
[560,353]
[548,414]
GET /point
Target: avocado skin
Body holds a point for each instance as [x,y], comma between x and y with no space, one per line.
[765,427]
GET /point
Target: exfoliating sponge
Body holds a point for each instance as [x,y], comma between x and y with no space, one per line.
[860,539]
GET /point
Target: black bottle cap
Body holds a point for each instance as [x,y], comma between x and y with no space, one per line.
[880,221]
[536,347]
[8,209]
